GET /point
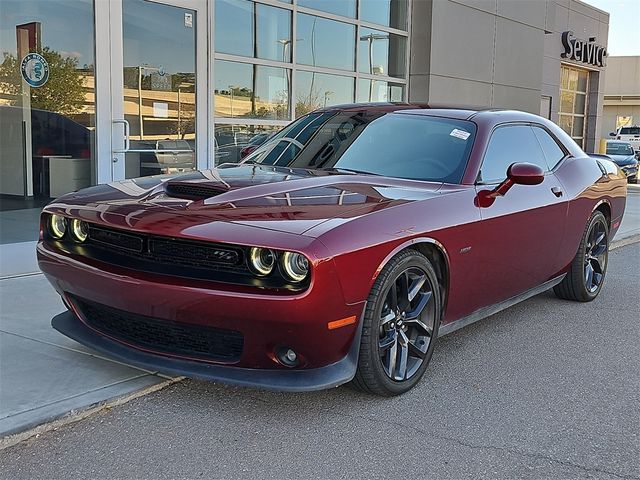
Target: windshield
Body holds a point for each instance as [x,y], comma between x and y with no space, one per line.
[417,147]
[630,131]
[619,149]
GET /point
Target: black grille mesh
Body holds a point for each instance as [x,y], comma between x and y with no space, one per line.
[162,336]
[191,190]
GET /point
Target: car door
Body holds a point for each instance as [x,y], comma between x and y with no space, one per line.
[522,231]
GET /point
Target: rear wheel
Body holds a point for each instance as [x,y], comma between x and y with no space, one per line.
[586,275]
[400,326]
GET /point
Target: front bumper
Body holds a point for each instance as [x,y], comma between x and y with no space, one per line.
[301,380]
[266,320]
[630,171]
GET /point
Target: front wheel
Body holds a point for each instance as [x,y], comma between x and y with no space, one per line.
[585,277]
[400,326]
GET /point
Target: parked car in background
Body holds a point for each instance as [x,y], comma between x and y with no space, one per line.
[629,134]
[177,153]
[623,155]
[254,143]
[339,251]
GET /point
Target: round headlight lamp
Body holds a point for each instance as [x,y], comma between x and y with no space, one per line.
[79,230]
[295,266]
[262,260]
[57,226]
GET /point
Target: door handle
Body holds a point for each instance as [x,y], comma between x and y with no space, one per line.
[127,141]
[557,191]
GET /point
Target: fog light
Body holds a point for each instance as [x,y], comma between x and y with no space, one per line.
[287,356]
[57,226]
[79,230]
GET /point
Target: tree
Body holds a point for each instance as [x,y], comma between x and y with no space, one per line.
[63,93]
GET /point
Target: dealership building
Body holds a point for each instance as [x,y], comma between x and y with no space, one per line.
[93,91]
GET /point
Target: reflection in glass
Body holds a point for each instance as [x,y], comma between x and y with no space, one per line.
[325,43]
[379,91]
[578,127]
[159,87]
[581,99]
[316,90]
[234,27]
[381,53]
[253,30]
[346,8]
[251,91]
[273,33]
[566,101]
[46,132]
[235,142]
[391,13]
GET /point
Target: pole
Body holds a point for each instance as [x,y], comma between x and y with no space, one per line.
[140,100]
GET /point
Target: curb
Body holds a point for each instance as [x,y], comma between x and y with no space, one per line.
[77,415]
[623,242]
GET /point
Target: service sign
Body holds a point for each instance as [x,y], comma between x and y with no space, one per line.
[34,69]
[583,51]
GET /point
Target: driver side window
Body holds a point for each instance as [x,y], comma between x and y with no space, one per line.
[510,144]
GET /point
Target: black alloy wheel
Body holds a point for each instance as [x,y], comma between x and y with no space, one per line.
[405,330]
[586,274]
[400,326]
[595,257]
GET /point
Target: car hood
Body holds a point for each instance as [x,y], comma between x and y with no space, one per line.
[275,198]
[623,160]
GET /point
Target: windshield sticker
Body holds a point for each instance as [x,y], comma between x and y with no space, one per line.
[459,134]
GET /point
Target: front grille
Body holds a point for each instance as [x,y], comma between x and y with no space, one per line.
[168,251]
[192,190]
[115,239]
[162,336]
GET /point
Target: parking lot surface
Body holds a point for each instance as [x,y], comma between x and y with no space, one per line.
[545,389]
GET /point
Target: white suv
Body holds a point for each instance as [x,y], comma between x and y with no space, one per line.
[629,134]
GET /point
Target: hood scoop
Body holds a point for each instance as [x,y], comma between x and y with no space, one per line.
[194,191]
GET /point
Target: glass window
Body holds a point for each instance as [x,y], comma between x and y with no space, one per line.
[234,27]
[381,53]
[251,91]
[316,90]
[273,32]
[325,43]
[47,126]
[346,8]
[408,146]
[508,145]
[615,148]
[573,101]
[253,30]
[391,13]
[235,142]
[552,151]
[379,91]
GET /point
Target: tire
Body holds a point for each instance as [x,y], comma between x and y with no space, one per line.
[633,180]
[580,284]
[410,323]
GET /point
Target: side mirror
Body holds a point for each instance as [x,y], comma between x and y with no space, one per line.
[612,134]
[517,174]
[525,174]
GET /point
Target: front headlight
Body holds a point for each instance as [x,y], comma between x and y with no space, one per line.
[57,226]
[295,266]
[79,230]
[262,260]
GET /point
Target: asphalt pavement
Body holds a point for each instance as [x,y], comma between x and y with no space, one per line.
[545,389]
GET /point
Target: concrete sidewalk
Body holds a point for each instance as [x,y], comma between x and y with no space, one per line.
[44,375]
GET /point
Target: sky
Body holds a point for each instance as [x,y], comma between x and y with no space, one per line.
[624,25]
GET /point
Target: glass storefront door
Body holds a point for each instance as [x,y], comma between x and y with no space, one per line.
[47,108]
[159,102]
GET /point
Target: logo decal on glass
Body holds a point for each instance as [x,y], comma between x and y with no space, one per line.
[34,69]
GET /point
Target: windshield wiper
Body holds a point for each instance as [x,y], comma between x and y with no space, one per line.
[348,170]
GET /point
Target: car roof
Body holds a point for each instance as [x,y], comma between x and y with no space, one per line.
[461,112]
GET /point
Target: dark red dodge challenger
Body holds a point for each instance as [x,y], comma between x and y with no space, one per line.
[338,251]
